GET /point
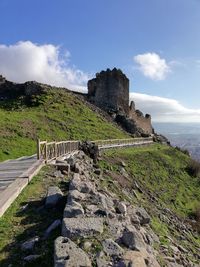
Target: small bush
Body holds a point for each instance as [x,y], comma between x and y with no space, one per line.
[193,168]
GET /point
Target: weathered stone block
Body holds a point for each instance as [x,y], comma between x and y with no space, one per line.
[67,253]
[143,216]
[54,195]
[83,227]
[73,210]
[132,238]
[111,248]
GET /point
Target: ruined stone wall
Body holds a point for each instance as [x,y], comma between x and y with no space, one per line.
[11,90]
[110,91]
[141,121]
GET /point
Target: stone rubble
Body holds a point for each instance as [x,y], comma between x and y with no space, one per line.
[29,244]
[54,195]
[99,229]
[52,227]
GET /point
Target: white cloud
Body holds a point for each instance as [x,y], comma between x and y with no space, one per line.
[152,66]
[26,61]
[164,109]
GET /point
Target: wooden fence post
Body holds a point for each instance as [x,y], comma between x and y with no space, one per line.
[38,148]
[55,149]
[45,154]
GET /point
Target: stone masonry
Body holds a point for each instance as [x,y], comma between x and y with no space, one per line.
[110,92]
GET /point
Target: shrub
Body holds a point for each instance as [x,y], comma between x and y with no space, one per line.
[193,168]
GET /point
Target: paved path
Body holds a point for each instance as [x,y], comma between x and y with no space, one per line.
[10,170]
[14,176]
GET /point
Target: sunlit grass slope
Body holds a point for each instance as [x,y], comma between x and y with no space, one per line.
[54,115]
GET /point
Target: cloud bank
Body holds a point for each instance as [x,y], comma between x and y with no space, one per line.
[26,61]
[164,109]
[152,66]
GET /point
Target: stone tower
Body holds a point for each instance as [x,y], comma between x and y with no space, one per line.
[110,91]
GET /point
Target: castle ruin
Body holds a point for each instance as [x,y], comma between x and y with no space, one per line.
[110,92]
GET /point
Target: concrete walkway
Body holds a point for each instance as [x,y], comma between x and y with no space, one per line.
[14,176]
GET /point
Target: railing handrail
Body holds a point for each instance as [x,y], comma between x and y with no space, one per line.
[52,150]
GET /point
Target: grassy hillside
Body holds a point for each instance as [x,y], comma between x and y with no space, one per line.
[156,177]
[55,115]
[162,171]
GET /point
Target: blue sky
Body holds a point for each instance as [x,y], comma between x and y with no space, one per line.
[155,42]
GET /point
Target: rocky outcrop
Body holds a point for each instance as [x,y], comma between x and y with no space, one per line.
[99,229]
[11,90]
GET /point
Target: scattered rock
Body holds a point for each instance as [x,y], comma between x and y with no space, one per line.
[58,174]
[112,248]
[82,227]
[63,167]
[101,260]
[54,195]
[29,244]
[87,245]
[143,216]
[134,258]
[71,161]
[75,195]
[97,171]
[100,212]
[123,164]
[53,226]
[77,168]
[67,253]
[81,186]
[73,209]
[121,207]
[170,259]
[132,238]
[31,258]
[106,202]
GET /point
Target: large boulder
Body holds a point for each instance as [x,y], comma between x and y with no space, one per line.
[82,227]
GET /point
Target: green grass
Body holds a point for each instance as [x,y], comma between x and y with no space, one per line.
[161,172]
[55,115]
[17,226]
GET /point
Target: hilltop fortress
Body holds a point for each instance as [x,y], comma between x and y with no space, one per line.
[110,92]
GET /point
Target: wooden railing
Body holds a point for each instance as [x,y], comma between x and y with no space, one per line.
[52,150]
[123,142]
